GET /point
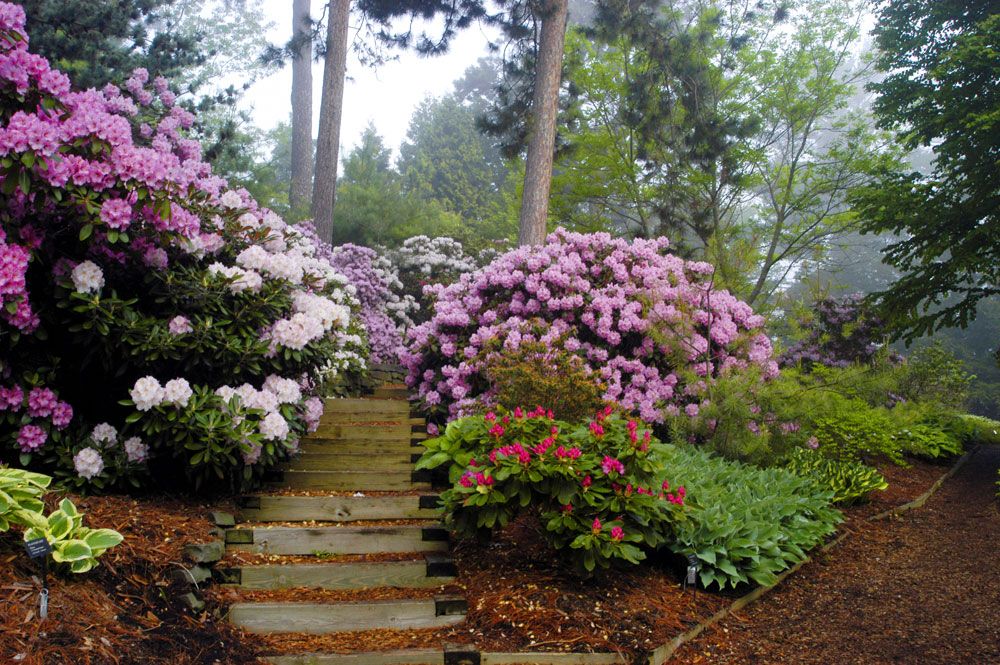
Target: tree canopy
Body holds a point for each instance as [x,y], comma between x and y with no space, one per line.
[941,60]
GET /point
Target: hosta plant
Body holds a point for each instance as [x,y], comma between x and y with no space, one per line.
[849,481]
[597,486]
[76,546]
[745,524]
[21,495]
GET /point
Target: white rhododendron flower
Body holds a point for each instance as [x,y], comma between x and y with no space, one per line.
[146,393]
[180,325]
[88,463]
[274,427]
[286,391]
[177,391]
[136,450]
[88,278]
[104,433]
[231,199]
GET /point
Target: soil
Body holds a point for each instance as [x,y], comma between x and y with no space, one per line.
[125,611]
[921,588]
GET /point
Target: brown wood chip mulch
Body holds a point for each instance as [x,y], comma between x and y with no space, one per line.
[125,611]
[922,588]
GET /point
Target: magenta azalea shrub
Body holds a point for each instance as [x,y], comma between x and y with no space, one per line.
[150,315]
[649,323]
[596,486]
[385,313]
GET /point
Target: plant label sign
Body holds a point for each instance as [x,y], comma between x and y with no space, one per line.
[37,548]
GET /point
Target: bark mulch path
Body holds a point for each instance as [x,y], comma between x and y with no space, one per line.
[922,588]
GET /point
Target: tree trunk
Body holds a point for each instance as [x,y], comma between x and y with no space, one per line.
[330,112]
[301,186]
[542,129]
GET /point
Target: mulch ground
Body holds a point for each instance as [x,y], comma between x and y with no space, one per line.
[921,588]
[125,611]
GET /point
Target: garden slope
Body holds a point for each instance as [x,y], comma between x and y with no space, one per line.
[923,588]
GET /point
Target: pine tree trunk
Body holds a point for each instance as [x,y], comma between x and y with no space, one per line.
[330,112]
[301,186]
[542,137]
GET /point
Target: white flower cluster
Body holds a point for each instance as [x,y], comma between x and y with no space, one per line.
[88,278]
[433,256]
[147,393]
[135,450]
[104,435]
[286,391]
[177,392]
[274,427]
[243,280]
[88,463]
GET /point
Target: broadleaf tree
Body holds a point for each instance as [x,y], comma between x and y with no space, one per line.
[941,60]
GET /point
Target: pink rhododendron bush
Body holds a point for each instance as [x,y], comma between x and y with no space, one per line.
[150,315]
[648,324]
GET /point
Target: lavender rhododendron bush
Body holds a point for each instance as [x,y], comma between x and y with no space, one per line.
[149,313]
[385,310]
[648,323]
[595,485]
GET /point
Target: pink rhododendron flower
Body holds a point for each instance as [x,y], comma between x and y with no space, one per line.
[610,464]
[617,533]
[31,437]
[595,528]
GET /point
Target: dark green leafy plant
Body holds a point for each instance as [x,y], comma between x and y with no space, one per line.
[743,523]
[850,481]
[858,433]
[597,487]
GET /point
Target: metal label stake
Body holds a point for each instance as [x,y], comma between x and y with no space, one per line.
[40,548]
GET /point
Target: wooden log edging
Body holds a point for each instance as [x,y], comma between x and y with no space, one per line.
[664,652]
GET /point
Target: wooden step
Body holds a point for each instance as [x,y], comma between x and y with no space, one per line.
[269,508]
[416,574]
[346,481]
[340,410]
[359,446]
[359,432]
[407,657]
[335,540]
[323,618]
[330,460]
[392,391]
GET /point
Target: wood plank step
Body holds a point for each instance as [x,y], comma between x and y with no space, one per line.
[408,657]
[336,508]
[362,404]
[354,575]
[323,618]
[330,460]
[328,430]
[380,481]
[392,392]
[358,447]
[338,540]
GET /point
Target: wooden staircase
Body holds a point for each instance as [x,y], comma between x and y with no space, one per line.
[349,514]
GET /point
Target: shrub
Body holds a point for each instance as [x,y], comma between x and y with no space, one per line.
[933,374]
[599,298]
[385,313]
[422,261]
[537,374]
[130,271]
[598,487]
[982,430]
[857,432]
[850,481]
[743,523]
[839,331]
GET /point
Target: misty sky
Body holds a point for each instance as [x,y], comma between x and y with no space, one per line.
[385,96]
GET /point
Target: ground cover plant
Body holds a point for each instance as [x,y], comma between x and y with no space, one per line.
[607,491]
[150,312]
[597,297]
[75,547]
